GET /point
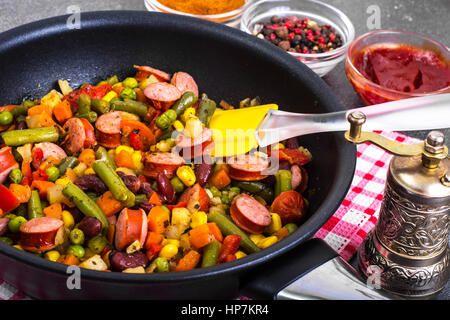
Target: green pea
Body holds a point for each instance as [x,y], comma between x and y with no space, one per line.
[77,250]
[76,236]
[215,192]
[97,244]
[14,224]
[128,93]
[16,176]
[162,265]
[7,240]
[53,173]
[291,227]
[177,184]
[225,198]
[130,83]
[6,118]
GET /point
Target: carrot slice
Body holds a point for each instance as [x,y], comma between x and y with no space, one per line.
[63,112]
[124,160]
[22,192]
[153,238]
[200,236]
[108,204]
[42,187]
[158,219]
[220,179]
[215,231]
[189,261]
[53,211]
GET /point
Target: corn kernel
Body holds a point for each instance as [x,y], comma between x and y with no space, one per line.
[181,216]
[194,127]
[240,254]
[163,146]
[198,218]
[186,175]
[89,171]
[256,238]
[267,242]
[118,84]
[18,247]
[52,255]
[137,160]
[185,243]
[80,169]
[124,148]
[63,181]
[178,125]
[68,220]
[146,82]
[187,114]
[275,224]
[168,251]
[175,242]
[51,100]
[153,148]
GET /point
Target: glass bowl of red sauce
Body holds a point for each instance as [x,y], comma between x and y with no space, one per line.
[386,65]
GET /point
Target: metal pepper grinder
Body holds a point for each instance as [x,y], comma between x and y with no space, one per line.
[408,247]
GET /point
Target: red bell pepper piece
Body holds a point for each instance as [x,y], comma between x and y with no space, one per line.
[27,174]
[100,91]
[292,155]
[154,249]
[38,156]
[40,175]
[182,204]
[8,200]
[229,247]
[135,141]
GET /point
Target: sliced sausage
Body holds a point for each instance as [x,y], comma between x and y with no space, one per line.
[38,235]
[108,127]
[160,75]
[90,134]
[51,149]
[194,148]
[76,136]
[290,206]
[131,226]
[163,95]
[247,167]
[163,162]
[7,163]
[249,214]
[3,225]
[184,82]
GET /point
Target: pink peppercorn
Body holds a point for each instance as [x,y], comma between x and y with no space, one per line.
[305,50]
[318,33]
[273,36]
[321,40]
[294,19]
[291,36]
[297,31]
[310,38]
[332,36]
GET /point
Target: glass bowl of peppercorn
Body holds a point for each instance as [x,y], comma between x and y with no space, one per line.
[314,32]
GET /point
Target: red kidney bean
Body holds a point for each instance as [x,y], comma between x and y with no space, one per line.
[202,172]
[146,206]
[76,214]
[90,226]
[91,182]
[165,187]
[146,188]
[21,125]
[131,182]
[120,260]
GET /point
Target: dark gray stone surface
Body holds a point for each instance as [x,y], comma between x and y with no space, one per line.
[427,17]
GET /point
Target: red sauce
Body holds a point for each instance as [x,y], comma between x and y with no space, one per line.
[403,68]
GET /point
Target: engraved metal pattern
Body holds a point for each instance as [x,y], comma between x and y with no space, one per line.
[412,229]
[400,279]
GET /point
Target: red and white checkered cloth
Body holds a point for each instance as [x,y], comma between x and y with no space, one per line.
[356,216]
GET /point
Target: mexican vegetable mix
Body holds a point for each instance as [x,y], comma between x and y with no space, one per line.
[107,177]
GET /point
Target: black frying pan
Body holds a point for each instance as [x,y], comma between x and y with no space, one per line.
[227,64]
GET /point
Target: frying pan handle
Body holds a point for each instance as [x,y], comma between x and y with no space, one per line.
[309,272]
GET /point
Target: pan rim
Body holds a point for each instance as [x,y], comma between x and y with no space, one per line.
[104,19]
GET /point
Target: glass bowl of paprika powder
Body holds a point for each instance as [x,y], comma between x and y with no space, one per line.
[227,12]
[323,20]
[387,65]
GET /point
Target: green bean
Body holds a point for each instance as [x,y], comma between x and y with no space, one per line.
[228,227]
[100,106]
[85,204]
[84,104]
[113,80]
[225,198]
[90,116]
[114,183]
[187,100]
[251,186]
[266,194]
[165,120]
[97,244]
[138,108]
[34,206]
[139,198]
[36,135]
[283,181]
[16,176]
[7,240]
[66,163]
[103,155]
[206,110]
[22,109]
[76,236]
[211,254]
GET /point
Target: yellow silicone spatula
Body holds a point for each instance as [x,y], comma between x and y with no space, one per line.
[234,130]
